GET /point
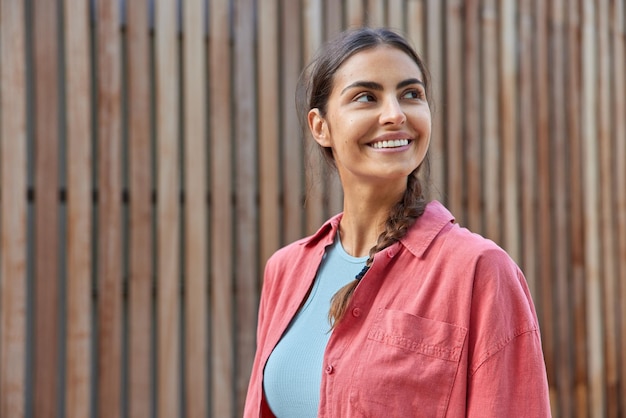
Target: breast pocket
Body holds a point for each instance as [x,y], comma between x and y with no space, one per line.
[407,366]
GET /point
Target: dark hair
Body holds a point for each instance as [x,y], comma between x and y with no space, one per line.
[314,88]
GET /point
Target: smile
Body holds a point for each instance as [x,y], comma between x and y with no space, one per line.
[394,143]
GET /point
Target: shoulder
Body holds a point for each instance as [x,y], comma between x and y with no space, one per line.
[435,234]
[497,280]
[498,292]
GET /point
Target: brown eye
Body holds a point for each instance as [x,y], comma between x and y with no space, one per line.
[364,97]
[413,94]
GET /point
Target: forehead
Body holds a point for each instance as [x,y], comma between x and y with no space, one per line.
[380,64]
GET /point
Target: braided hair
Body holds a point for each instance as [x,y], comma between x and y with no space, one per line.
[314,88]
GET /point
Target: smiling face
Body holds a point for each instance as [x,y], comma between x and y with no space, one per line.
[377,119]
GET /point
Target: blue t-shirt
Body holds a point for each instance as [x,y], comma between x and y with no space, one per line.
[293,373]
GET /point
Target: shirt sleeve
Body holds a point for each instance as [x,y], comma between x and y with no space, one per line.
[507,374]
[512,382]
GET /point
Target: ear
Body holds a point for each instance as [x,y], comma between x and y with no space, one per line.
[319,128]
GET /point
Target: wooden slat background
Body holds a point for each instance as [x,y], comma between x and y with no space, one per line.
[151,161]
[78,287]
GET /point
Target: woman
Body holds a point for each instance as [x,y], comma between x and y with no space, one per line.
[390,309]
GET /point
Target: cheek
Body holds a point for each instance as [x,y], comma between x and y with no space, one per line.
[423,123]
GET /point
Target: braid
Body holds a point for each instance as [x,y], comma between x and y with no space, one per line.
[401,217]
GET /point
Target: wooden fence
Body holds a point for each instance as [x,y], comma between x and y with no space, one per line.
[151,160]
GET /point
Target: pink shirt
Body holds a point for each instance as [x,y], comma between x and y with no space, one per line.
[442,325]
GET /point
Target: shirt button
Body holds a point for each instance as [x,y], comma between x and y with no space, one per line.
[329,369]
[356,312]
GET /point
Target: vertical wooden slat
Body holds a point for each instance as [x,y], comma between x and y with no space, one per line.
[354,13]
[434,60]
[415,26]
[46,343]
[471,102]
[78,73]
[333,18]
[269,145]
[528,179]
[13,210]
[314,178]
[109,211]
[222,322]
[607,213]
[395,15]
[291,162]
[543,164]
[490,122]
[618,22]
[140,353]
[508,128]
[593,279]
[196,243]
[168,210]
[453,111]
[576,227]
[246,244]
[559,178]
[375,16]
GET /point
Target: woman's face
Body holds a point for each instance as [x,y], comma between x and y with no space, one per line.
[377,120]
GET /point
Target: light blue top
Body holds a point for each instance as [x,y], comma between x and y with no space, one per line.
[293,373]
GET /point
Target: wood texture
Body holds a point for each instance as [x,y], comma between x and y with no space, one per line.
[292,148]
[607,210]
[195,228]
[80,160]
[109,229]
[395,14]
[46,60]
[471,139]
[528,181]
[141,237]
[13,228]
[149,172]
[334,15]
[618,25]
[543,164]
[559,179]
[168,210]
[354,14]
[580,404]
[452,110]
[246,189]
[314,163]
[508,127]
[434,53]
[491,122]
[222,216]
[269,131]
[591,212]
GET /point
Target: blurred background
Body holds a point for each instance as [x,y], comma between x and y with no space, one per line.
[151,161]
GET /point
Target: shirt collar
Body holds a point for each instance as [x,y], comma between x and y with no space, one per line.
[417,240]
[426,228]
[326,233]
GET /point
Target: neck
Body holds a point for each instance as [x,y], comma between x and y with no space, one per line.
[365,212]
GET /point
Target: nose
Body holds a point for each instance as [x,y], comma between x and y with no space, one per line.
[392,113]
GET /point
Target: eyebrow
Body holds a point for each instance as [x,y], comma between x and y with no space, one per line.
[372,85]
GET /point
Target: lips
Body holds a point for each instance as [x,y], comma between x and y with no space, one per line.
[392,143]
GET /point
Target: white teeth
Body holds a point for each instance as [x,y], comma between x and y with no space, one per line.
[391,144]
